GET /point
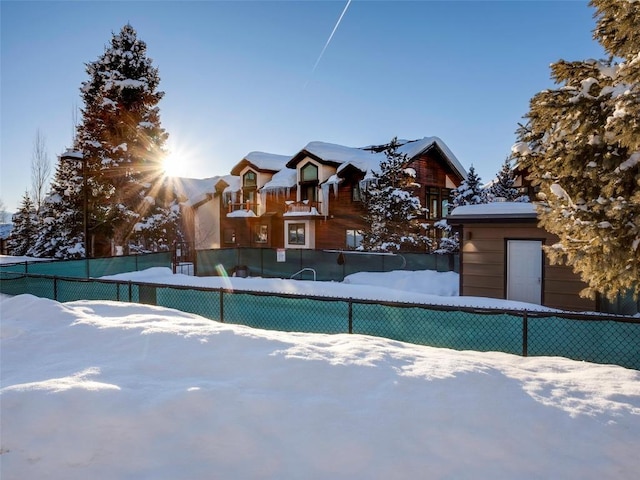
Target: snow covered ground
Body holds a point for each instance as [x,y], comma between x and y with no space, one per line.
[107,390]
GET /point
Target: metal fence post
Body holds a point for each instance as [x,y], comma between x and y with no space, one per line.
[55,288]
[525,334]
[350,316]
[130,292]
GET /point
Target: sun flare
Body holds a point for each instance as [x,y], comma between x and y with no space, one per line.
[178,161]
[171,165]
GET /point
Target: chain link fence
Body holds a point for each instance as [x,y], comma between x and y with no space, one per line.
[91,267]
[598,338]
[326,265]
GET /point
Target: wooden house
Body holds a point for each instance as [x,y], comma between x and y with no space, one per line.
[313,199]
[252,213]
[328,210]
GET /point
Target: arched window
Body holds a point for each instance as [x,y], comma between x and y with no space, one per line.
[309,173]
[249,189]
[249,180]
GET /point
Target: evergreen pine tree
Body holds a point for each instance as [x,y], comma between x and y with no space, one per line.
[470,191]
[502,187]
[123,142]
[450,241]
[23,233]
[581,145]
[60,221]
[394,215]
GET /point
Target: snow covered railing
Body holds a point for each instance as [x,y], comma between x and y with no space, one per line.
[248,206]
[305,207]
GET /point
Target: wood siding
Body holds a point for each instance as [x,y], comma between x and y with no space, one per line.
[483,265]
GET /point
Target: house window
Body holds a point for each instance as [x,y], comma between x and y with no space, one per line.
[433,203]
[296,234]
[354,239]
[309,192]
[438,202]
[229,235]
[356,194]
[309,183]
[309,173]
[249,188]
[249,180]
[261,233]
[444,204]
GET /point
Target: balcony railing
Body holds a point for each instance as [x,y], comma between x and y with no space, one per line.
[234,207]
[306,207]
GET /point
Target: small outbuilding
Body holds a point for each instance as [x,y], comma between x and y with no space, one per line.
[501,256]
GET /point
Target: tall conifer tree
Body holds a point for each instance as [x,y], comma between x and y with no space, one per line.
[503,185]
[123,143]
[581,145]
[60,221]
[394,214]
[23,233]
[470,191]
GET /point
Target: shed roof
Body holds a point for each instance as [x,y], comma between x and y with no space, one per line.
[492,212]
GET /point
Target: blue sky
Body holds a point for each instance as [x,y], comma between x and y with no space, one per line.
[239,76]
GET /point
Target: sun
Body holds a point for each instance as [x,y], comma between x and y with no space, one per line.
[178,160]
[171,165]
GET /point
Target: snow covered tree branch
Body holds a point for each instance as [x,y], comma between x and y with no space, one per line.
[581,146]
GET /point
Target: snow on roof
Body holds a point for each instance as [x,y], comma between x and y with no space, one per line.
[415,147]
[195,190]
[332,152]
[267,161]
[494,210]
[367,160]
[285,178]
[190,188]
[69,153]
[234,182]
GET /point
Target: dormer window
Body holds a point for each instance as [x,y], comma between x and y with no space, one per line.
[249,180]
[309,173]
[309,183]
[249,189]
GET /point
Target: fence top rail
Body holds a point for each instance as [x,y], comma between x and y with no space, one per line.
[587,316]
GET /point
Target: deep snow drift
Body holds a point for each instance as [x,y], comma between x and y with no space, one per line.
[107,390]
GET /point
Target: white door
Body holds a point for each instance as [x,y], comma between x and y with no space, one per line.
[524,271]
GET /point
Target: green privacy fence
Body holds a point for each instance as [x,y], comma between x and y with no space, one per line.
[598,338]
[328,265]
[91,267]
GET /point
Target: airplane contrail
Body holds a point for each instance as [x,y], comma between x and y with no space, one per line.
[330,37]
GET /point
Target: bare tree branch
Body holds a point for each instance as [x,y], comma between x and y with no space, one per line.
[40,170]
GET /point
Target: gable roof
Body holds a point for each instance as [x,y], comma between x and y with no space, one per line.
[414,148]
[367,159]
[331,154]
[262,162]
[199,190]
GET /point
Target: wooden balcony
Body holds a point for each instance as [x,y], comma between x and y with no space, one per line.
[235,207]
[305,207]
